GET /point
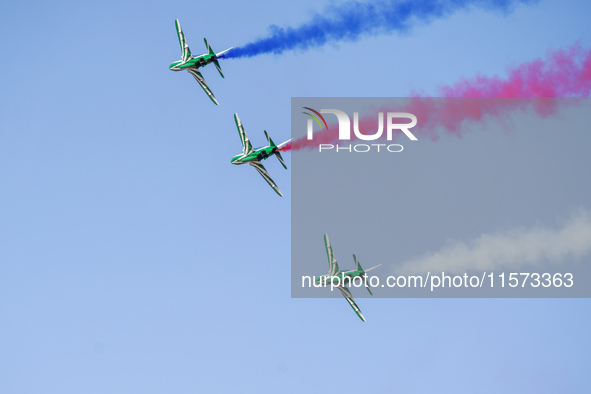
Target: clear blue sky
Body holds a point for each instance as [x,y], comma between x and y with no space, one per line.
[135,258]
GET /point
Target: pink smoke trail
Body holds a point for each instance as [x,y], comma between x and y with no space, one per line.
[564,73]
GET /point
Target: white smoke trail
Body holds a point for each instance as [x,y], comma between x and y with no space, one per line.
[513,249]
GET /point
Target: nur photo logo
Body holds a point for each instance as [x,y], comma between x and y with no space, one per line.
[395,123]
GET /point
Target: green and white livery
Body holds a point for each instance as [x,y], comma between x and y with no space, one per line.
[254,156]
[340,279]
[192,64]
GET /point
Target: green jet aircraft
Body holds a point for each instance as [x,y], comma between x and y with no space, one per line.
[339,279]
[192,64]
[254,156]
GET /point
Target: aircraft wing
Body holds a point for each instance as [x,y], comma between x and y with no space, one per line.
[333,267]
[351,301]
[246,145]
[195,73]
[261,169]
[184,46]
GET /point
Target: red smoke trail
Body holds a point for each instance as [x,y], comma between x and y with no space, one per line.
[564,73]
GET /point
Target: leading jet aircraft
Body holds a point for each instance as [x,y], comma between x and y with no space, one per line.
[192,64]
[338,278]
[254,156]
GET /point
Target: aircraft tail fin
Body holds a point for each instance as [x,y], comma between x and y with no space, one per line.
[271,143]
[360,269]
[215,57]
[357,264]
[209,50]
[217,65]
[280,159]
[279,154]
[276,149]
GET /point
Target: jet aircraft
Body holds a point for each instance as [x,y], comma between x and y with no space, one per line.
[254,156]
[338,278]
[192,64]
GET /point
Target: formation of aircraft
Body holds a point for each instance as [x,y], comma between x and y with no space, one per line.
[254,156]
[340,278]
[249,154]
[192,64]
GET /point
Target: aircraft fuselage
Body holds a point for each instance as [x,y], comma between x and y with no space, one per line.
[258,154]
[194,62]
[339,279]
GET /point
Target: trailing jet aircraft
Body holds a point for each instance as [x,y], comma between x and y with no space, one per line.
[338,278]
[254,156]
[192,64]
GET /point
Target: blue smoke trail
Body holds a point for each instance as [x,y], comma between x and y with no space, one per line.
[349,21]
